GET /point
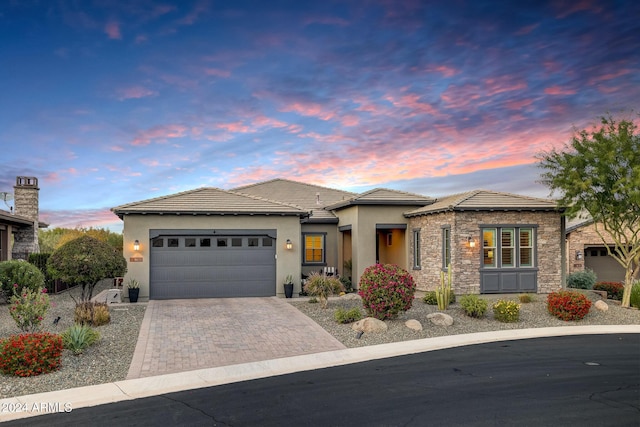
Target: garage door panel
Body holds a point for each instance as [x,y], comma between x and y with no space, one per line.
[212,271]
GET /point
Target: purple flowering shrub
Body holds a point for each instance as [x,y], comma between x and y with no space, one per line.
[386,291]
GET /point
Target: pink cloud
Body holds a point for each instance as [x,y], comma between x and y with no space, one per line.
[97,218]
[557,90]
[199,9]
[526,30]
[609,76]
[350,120]
[238,127]
[445,70]
[134,92]
[112,29]
[566,8]
[159,134]
[412,102]
[216,72]
[518,104]
[500,85]
[116,148]
[309,109]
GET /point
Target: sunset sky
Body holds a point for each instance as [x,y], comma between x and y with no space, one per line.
[109,102]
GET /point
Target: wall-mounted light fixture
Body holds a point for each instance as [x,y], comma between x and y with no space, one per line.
[289,244]
[578,255]
[471,242]
[136,245]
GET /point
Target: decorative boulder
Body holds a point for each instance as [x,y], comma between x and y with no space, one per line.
[369,325]
[351,297]
[440,319]
[413,324]
[601,305]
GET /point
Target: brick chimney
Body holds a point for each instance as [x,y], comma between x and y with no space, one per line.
[25,201]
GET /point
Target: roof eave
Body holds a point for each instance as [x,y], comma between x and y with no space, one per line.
[493,209]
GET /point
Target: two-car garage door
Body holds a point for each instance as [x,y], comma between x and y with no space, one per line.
[220,264]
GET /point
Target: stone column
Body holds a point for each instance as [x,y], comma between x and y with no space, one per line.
[26,206]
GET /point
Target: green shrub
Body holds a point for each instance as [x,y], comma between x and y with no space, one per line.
[347,316]
[526,298]
[473,305]
[431,298]
[614,289]
[85,261]
[584,279]
[79,337]
[28,355]
[322,287]
[313,300]
[506,311]
[568,305]
[28,308]
[386,290]
[635,294]
[21,273]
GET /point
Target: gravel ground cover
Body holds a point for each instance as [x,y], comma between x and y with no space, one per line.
[106,361]
[532,315]
[109,359]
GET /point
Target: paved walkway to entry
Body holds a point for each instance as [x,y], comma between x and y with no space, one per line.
[184,335]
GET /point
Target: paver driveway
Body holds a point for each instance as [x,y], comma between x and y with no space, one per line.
[183,335]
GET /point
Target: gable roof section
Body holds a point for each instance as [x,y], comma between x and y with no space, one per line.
[485,200]
[209,201]
[310,197]
[384,196]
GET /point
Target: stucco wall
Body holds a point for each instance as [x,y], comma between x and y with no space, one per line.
[465,261]
[136,227]
[363,220]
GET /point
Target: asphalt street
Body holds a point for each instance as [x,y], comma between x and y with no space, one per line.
[587,380]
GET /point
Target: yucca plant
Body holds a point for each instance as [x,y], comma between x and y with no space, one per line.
[78,337]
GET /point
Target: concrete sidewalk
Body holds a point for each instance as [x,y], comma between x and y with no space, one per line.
[183,335]
[152,386]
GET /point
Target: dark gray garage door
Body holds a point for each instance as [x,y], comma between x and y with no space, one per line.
[607,269]
[212,265]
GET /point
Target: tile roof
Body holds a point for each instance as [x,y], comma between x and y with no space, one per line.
[485,200]
[384,196]
[310,197]
[208,200]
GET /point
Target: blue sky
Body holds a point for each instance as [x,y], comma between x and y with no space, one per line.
[110,102]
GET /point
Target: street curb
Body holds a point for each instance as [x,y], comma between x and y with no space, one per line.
[75,398]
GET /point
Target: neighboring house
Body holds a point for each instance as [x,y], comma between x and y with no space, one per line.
[587,250]
[21,225]
[210,242]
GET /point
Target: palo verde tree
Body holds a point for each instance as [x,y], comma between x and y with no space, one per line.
[599,172]
[85,261]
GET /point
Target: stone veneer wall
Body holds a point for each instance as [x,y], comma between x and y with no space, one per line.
[465,261]
[581,238]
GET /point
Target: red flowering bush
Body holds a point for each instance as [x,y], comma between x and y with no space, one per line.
[614,289]
[386,290]
[28,355]
[568,305]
